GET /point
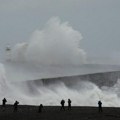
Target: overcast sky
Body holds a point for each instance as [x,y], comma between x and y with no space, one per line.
[97,20]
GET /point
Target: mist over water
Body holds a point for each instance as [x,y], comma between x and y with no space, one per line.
[51,52]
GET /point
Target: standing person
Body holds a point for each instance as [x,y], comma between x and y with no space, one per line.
[62,104]
[40,108]
[16,106]
[99,106]
[4,103]
[69,104]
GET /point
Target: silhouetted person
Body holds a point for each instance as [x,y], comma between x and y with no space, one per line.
[40,108]
[69,104]
[100,106]
[16,106]
[4,103]
[62,104]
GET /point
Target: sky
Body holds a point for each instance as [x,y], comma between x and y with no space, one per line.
[97,20]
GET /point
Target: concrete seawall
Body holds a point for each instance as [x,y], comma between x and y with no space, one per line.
[100,79]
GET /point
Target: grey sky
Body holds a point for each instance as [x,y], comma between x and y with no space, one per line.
[97,20]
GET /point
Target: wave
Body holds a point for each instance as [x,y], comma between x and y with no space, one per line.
[51,91]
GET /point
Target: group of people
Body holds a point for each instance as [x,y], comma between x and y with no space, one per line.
[63,104]
[15,105]
[69,105]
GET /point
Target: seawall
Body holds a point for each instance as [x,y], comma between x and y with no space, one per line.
[100,79]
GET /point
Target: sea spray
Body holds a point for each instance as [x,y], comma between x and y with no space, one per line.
[83,93]
[56,44]
[3,85]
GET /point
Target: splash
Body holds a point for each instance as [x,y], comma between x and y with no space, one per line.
[56,44]
[82,93]
[2,79]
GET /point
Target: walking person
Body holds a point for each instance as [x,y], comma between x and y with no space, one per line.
[62,104]
[16,106]
[69,104]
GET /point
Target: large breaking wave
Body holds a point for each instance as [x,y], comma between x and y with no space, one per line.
[56,44]
[49,52]
[84,93]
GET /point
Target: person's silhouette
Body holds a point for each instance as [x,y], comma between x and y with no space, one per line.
[4,103]
[16,106]
[69,104]
[40,108]
[99,106]
[62,104]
